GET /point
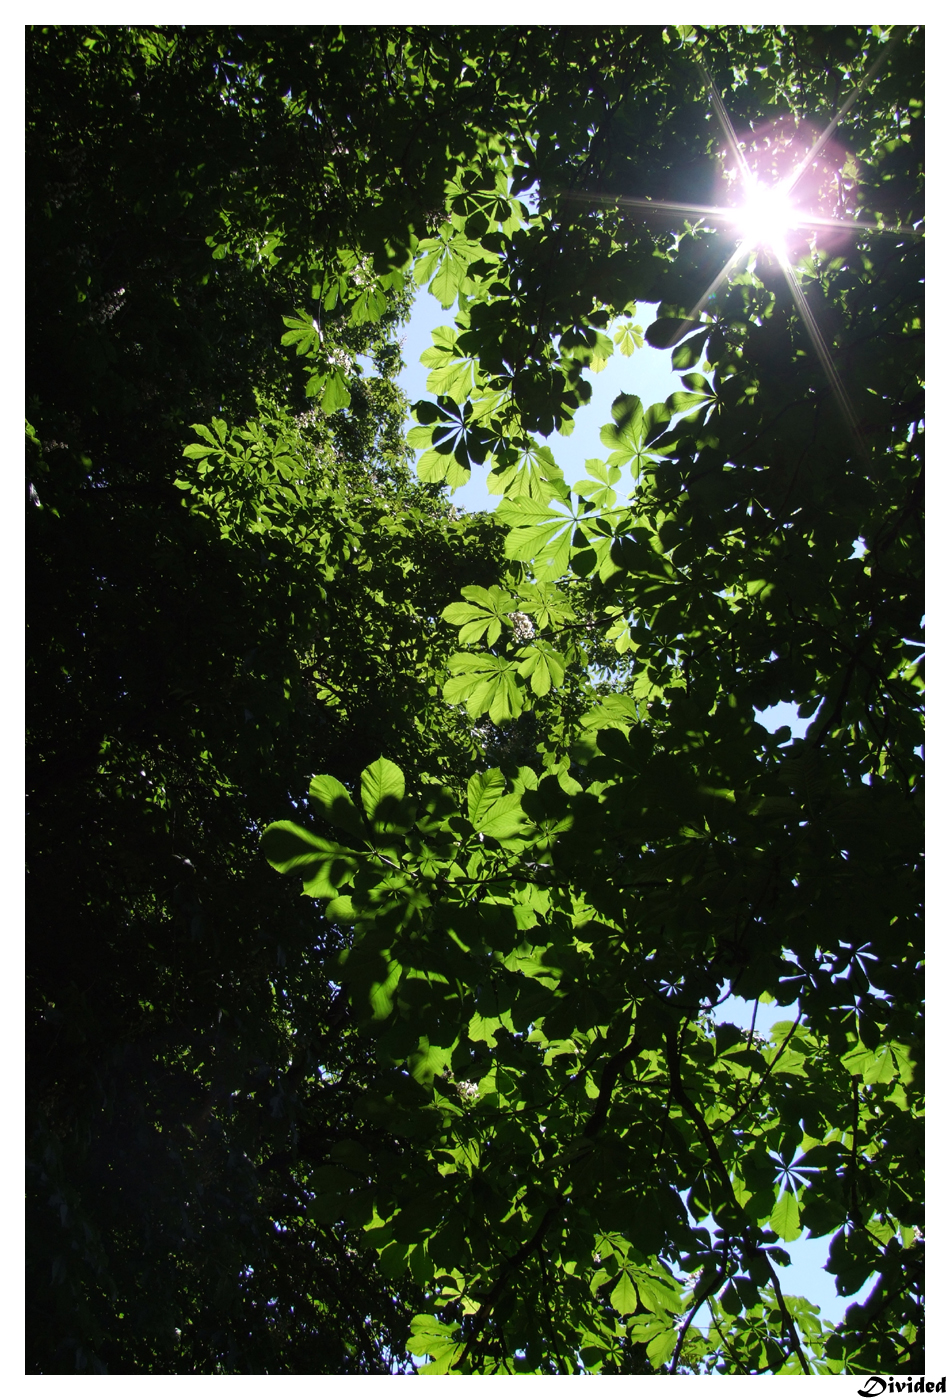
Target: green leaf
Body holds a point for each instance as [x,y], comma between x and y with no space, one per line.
[624,1296]
[632,431]
[330,798]
[874,1066]
[785,1219]
[453,372]
[483,616]
[491,810]
[484,683]
[442,1363]
[438,465]
[527,471]
[287,846]
[689,352]
[681,401]
[661,1346]
[598,490]
[430,1336]
[335,395]
[542,664]
[453,438]
[324,865]
[668,331]
[303,333]
[628,338]
[341,910]
[541,535]
[446,262]
[381,785]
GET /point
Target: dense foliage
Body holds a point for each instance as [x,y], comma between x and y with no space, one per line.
[477,1086]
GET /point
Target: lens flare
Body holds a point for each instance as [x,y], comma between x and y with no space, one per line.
[766,217]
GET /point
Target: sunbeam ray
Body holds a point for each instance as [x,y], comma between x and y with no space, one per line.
[842,111]
[736,217]
[824,356]
[728,130]
[742,251]
[728,214]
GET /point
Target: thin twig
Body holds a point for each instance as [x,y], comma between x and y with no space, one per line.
[697,1118]
[855,1208]
[768,1070]
[717,1282]
[786,1315]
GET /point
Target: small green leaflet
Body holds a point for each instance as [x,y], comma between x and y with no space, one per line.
[482,616]
[543,665]
[491,810]
[632,430]
[382,780]
[624,1295]
[330,798]
[541,534]
[381,992]
[628,338]
[526,470]
[661,1346]
[785,1219]
[597,488]
[453,373]
[688,352]
[484,683]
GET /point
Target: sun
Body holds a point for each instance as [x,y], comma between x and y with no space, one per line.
[766,217]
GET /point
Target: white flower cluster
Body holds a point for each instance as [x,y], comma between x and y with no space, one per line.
[523,627]
[107,306]
[466,1088]
[340,360]
[362,274]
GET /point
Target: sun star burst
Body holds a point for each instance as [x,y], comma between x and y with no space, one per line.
[764,221]
[766,217]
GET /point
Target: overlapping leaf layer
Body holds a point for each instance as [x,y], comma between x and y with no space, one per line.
[547,835]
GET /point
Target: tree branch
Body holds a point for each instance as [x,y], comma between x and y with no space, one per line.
[768,1070]
[692,1112]
[786,1315]
[717,1282]
[608,1081]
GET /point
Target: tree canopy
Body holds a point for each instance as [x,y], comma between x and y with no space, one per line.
[469,1106]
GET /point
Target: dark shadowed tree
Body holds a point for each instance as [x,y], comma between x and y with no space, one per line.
[469,1099]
